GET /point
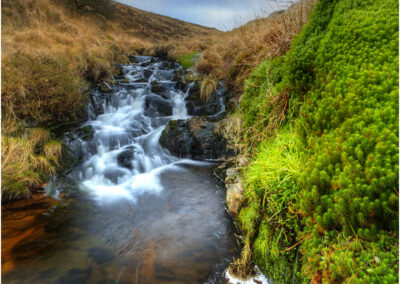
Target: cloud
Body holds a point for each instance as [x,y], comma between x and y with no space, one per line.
[221,14]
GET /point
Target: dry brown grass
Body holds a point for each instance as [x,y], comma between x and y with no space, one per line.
[233,55]
[26,161]
[42,39]
[243,266]
[49,54]
[208,86]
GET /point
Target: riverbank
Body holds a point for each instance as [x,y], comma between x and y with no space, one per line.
[318,131]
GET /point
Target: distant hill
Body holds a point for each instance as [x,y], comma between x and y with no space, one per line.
[147,25]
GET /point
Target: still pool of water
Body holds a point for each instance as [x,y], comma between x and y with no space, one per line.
[180,235]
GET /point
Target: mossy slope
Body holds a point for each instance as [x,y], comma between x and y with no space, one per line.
[338,88]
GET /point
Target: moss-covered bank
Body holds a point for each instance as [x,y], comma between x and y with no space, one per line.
[320,127]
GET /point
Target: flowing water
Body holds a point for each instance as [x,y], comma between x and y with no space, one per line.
[129,212]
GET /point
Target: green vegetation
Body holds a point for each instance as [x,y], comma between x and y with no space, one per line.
[271,188]
[187,60]
[322,190]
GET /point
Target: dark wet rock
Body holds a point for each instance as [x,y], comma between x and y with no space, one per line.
[113,174]
[104,87]
[167,65]
[96,102]
[76,276]
[119,74]
[158,89]
[71,153]
[147,73]
[213,145]
[141,80]
[64,184]
[137,128]
[132,58]
[146,63]
[221,170]
[181,83]
[196,106]
[194,138]
[126,157]
[177,138]
[100,255]
[129,86]
[155,105]
[81,115]
[86,132]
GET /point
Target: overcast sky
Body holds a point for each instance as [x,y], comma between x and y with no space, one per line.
[221,14]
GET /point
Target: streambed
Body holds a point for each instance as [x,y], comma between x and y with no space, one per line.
[129,211]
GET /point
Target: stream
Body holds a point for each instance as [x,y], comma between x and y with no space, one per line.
[129,211]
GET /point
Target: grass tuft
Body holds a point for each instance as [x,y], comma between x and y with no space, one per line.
[207,88]
[27,161]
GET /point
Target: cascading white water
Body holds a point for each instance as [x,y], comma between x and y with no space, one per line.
[130,127]
[182,235]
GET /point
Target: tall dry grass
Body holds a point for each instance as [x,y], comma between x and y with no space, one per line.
[233,55]
[26,161]
[46,56]
[208,86]
[49,54]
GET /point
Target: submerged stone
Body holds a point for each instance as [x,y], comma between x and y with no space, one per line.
[76,276]
[100,255]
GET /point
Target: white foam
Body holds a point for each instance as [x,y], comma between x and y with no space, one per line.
[257,279]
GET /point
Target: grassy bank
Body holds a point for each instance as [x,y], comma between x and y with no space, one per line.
[232,56]
[53,53]
[319,127]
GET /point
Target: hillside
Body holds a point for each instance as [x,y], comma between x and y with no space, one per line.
[154,27]
[52,55]
[233,55]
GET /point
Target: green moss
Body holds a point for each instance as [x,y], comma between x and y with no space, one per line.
[187,60]
[350,120]
[264,101]
[342,77]
[271,192]
[248,218]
